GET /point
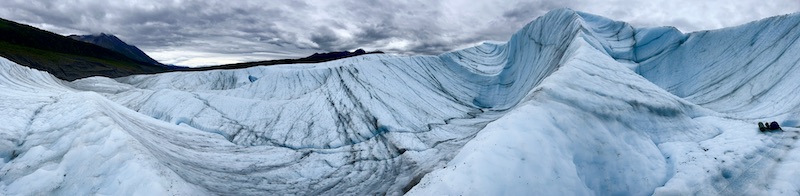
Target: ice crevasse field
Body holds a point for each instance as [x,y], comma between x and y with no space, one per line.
[572,104]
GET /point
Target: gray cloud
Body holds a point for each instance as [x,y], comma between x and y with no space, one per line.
[198,32]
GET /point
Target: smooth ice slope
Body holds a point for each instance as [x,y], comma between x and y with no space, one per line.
[753,76]
[566,139]
[573,104]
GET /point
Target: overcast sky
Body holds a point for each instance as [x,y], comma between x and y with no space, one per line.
[204,32]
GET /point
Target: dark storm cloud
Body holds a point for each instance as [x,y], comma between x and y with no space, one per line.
[198,32]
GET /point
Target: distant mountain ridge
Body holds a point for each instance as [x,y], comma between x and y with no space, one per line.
[112,42]
[314,58]
[80,56]
[63,57]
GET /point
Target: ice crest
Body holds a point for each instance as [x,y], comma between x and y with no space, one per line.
[572,104]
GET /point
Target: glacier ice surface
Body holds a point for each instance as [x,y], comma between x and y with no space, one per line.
[572,104]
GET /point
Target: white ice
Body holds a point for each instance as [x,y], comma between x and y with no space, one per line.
[573,104]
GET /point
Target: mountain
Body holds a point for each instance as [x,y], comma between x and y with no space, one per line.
[81,56]
[113,43]
[572,104]
[63,57]
[314,58]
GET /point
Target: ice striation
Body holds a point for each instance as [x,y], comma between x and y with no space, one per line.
[572,104]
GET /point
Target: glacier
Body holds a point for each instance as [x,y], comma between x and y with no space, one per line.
[572,104]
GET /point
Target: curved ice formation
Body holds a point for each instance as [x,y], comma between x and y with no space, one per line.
[752,75]
[573,104]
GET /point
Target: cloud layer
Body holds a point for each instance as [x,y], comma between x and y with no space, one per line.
[199,32]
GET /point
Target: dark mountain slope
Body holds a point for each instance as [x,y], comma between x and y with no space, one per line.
[105,55]
[112,42]
[314,58]
[63,57]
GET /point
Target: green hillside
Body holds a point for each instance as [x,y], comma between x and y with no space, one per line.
[63,57]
